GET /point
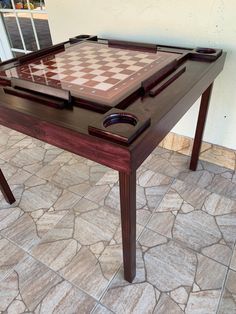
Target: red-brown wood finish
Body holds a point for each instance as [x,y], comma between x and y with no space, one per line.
[6,191]
[128,222]
[68,128]
[205,101]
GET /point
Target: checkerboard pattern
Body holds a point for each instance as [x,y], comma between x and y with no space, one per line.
[95,71]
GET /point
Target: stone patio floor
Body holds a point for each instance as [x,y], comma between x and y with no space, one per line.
[61,243]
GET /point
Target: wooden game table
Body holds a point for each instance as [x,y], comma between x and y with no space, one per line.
[109,101]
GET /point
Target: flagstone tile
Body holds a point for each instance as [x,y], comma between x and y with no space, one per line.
[27,230]
[162,223]
[42,196]
[151,187]
[111,177]
[169,163]
[202,300]
[227,224]
[138,298]
[167,305]
[85,246]
[17,191]
[65,298]
[210,274]
[169,266]
[8,216]
[218,252]
[233,260]
[98,194]
[223,186]
[10,255]
[228,302]
[30,154]
[212,177]
[191,194]
[101,309]
[67,215]
[201,220]
[81,247]
[196,229]
[220,156]
[8,291]
[14,175]
[70,175]
[23,232]
[217,205]
[77,175]
[48,171]
[34,181]
[170,279]
[66,201]
[9,137]
[32,287]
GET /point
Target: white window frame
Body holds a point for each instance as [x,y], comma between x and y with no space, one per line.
[6,51]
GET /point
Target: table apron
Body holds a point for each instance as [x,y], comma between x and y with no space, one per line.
[108,154]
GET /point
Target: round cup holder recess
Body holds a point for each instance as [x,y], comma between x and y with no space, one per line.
[121,117]
[206,50]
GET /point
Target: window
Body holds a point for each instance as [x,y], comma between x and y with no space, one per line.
[26,25]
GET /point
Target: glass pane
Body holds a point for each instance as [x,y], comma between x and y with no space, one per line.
[23,4]
[42,28]
[12,30]
[5,4]
[27,31]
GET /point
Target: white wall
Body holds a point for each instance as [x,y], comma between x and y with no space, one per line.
[210,23]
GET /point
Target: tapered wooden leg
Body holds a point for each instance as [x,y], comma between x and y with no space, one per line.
[206,96]
[6,191]
[128,222]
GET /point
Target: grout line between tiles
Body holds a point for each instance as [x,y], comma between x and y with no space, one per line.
[34,258]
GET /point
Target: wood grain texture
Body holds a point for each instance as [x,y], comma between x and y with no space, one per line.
[101,151]
[203,110]
[68,128]
[128,221]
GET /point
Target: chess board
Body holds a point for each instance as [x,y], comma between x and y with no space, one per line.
[94,71]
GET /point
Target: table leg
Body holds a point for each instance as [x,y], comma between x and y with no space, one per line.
[128,222]
[206,96]
[6,191]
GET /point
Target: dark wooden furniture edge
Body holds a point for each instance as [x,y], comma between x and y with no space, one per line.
[106,153]
[128,221]
[40,98]
[41,88]
[166,82]
[106,126]
[6,191]
[122,44]
[203,110]
[148,141]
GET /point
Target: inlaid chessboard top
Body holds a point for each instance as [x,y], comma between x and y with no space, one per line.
[94,71]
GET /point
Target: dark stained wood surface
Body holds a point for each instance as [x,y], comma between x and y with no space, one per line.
[204,106]
[68,128]
[6,191]
[128,222]
[165,111]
